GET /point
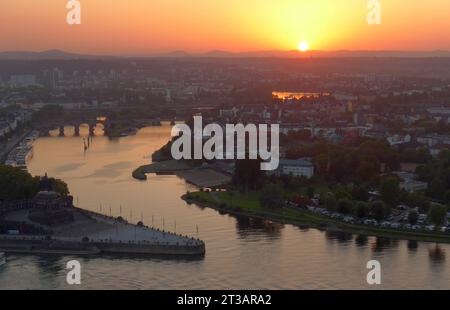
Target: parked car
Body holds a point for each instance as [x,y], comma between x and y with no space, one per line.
[348,219]
[385,224]
[396,225]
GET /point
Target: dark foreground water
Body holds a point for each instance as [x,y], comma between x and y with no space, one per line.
[241,253]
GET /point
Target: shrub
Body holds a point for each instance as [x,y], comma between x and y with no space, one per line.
[362,210]
[345,206]
[378,210]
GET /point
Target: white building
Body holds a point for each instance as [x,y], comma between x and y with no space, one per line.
[397,139]
[302,167]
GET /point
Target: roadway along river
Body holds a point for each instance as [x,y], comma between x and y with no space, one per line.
[241,253]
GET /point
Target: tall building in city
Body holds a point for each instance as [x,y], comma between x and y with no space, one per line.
[52,78]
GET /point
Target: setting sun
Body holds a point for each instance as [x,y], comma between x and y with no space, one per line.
[303,46]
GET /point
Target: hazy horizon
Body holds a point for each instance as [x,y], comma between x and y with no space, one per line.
[251,53]
[199,26]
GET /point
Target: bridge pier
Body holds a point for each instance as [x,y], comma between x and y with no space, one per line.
[61,131]
[77,130]
[45,132]
[91,129]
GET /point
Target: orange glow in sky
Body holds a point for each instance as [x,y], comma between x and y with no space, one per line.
[149,26]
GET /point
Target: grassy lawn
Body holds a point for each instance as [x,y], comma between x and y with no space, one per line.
[201,196]
[240,200]
[250,200]
[249,203]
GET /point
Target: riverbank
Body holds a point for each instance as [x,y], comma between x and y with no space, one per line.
[90,233]
[12,143]
[163,167]
[188,170]
[248,205]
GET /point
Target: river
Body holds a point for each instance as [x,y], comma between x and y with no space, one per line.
[241,253]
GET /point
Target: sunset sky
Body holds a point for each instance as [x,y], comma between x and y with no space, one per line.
[152,26]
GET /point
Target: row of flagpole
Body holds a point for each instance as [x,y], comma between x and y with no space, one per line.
[142,217]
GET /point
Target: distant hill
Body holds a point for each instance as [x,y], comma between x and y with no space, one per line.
[175,54]
[62,55]
[44,55]
[320,54]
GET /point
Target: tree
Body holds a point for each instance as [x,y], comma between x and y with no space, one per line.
[321,162]
[271,196]
[330,202]
[445,176]
[436,189]
[415,199]
[360,193]
[437,215]
[295,184]
[423,155]
[378,210]
[247,174]
[343,193]
[362,210]
[447,197]
[390,191]
[413,217]
[310,192]
[345,206]
[367,170]
[59,186]
[16,184]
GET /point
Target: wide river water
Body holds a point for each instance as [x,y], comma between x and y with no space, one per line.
[241,253]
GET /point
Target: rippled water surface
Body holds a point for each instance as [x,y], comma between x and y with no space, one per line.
[241,253]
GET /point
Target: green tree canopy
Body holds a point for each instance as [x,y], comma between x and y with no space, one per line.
[362,210]
[247,174]
[390,191]
[345,206]
[413,217]
[16,184]
[272,196]
[379,210]
[330,202]
[437,215]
